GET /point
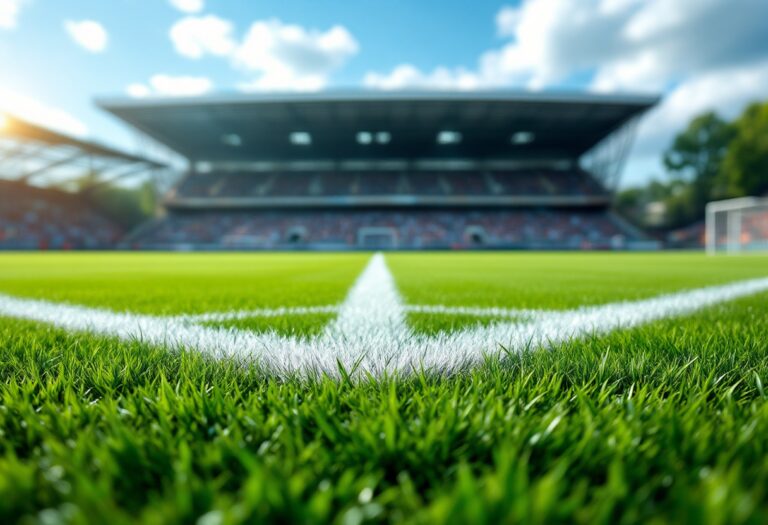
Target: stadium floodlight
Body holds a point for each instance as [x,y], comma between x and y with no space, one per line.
[448,137]
[737,225]
[232,139]
[383,137]
[301,138]
[364,137]
[522,137]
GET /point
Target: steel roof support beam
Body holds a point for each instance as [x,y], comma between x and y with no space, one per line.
[133,170]
[42,169]
[20,153]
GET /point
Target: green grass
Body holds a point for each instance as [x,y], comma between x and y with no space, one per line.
[560,280]
[665,423]
[301,325]
[181,283]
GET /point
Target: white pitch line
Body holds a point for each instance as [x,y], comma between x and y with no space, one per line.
[370,332]
[372,310]
[549,328]
[474,311]
[239,315]
[439,309]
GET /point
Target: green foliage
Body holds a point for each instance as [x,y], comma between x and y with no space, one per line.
[746,164]
[694,162]
[673,196]
[711,159]
[126,206]
[696,156]
[698,151]
[662,424]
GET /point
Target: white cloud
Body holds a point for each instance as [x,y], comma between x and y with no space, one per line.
[290,57]
[32,110]
[507,20]
[171,86]
[409,76]
[188,6]
[745,84]
[274,55]
[88,34]
[637,73]
[9,13]
[195,37]
[138,90]
[628,44]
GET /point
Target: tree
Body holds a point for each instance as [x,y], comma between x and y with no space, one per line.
[696,157]
[711,159]
[746,164]
[129,206]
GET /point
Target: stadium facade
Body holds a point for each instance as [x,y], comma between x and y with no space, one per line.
[400,170]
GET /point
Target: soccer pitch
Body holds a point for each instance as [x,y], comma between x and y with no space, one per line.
[353,388]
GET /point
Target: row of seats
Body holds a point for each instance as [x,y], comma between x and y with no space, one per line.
[422,183]
[34,218]
[402,229]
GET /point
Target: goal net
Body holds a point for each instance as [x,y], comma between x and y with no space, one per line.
[737,225]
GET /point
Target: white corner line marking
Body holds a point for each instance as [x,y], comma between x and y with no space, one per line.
[283,311]
[239,315]
[370,332]
[373,309]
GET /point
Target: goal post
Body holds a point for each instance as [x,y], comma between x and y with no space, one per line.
[737,225]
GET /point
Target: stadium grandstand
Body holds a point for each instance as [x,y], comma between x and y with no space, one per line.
[406,170]
[34,213]
[368,170]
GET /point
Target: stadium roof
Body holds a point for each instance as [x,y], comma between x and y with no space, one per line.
[380,125]
[16,128]
[28,151]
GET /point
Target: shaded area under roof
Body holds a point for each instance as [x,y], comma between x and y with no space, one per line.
[259,127]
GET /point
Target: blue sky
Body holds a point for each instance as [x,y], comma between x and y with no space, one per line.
[57,55]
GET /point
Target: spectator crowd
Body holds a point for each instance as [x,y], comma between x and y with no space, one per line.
[34,218]
[542,228]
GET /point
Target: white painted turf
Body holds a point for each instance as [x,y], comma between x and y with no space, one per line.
[370,332]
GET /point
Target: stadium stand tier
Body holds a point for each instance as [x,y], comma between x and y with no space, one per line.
[381,229]
[485,183]
[405,170]
[34,218]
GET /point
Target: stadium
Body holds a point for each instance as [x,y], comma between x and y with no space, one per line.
[357,170]
[371,171]
[268,280]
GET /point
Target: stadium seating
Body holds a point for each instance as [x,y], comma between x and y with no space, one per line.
[410,229]
[376,183]
[37,218]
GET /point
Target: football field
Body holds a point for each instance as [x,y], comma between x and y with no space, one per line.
[359,387]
